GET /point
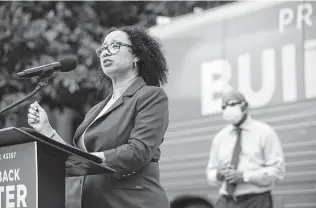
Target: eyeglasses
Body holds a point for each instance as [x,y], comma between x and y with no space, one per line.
[113,48]
[231,103]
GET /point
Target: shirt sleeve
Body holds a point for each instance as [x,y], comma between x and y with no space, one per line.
[211,170]
[274,166]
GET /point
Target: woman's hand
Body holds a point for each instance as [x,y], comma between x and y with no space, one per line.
[99,154]
[37,118]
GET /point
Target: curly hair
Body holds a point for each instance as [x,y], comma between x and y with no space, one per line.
[152,62]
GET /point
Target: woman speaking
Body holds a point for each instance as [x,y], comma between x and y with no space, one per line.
[125,129]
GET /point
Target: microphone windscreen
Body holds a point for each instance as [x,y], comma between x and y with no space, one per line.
[68,64]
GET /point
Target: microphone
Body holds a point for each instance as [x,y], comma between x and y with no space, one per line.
[64,65]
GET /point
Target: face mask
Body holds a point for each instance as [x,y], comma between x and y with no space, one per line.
[233,114]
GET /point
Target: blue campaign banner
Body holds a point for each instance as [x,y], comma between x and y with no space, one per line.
[18,176]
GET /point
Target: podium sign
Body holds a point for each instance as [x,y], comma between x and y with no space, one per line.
[33,169]
[18,176]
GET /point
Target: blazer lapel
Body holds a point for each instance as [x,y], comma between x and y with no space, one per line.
[82,127]
[137,84]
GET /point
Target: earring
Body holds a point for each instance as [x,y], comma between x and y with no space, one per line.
[134,64]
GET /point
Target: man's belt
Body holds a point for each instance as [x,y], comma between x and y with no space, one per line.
[246,197]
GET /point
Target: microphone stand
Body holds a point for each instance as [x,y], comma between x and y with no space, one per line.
[43,82]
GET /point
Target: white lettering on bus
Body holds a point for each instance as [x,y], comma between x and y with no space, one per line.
[263,96]
[289,82]
[210,86]
[309,68]
[217,74]
[303,16]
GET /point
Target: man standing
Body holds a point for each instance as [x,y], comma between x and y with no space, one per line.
[246,158]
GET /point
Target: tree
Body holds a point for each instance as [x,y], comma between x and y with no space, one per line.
[36,33]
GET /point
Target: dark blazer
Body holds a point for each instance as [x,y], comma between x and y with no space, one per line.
[129,134]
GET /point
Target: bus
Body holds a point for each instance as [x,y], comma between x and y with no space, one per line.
[266,50]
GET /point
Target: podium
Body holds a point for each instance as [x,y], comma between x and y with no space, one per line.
[33,169]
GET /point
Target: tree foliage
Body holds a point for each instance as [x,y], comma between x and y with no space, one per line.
[36,33]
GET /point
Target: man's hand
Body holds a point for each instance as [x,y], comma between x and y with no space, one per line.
[234,176]
[222,170]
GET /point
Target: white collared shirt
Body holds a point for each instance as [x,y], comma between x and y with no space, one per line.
[261,158]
